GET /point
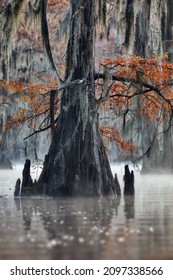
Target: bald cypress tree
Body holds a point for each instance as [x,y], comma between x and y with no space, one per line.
[77,162]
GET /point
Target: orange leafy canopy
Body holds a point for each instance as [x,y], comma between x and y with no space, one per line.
[33,99]
[111,134]
[149,78]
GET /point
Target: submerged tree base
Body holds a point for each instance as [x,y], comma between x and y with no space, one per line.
[77,162]
[30,188]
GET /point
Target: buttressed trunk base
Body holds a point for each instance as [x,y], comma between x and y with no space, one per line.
[77,162]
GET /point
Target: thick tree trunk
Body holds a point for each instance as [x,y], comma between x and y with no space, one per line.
[77,162]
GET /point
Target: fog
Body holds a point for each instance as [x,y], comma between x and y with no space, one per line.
[138,227]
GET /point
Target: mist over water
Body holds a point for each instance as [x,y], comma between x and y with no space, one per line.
[137,227]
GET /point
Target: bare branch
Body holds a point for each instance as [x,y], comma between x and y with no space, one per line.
[40,130]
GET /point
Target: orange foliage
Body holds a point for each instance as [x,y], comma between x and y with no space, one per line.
[150,78]
[35,101]
[21,87]
[149,69]
[112,134]
[138,76]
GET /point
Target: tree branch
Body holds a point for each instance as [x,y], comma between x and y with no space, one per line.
[40,130]
[136,81]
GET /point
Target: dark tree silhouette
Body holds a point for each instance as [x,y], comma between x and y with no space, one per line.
[77,162]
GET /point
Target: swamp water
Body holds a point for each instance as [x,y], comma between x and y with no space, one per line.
[88,228]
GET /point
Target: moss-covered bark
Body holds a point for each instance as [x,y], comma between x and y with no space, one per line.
[77,162]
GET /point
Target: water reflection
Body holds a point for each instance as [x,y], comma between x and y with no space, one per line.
[137,227]
[129,209]
[73,227]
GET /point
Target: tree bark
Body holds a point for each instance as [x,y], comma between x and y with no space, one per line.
[17,188]
[167,159]
[128,181]
[77,161]
[27,183]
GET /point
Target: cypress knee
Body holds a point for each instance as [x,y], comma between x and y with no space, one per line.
[27,183]
[17,188]
[128,181]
